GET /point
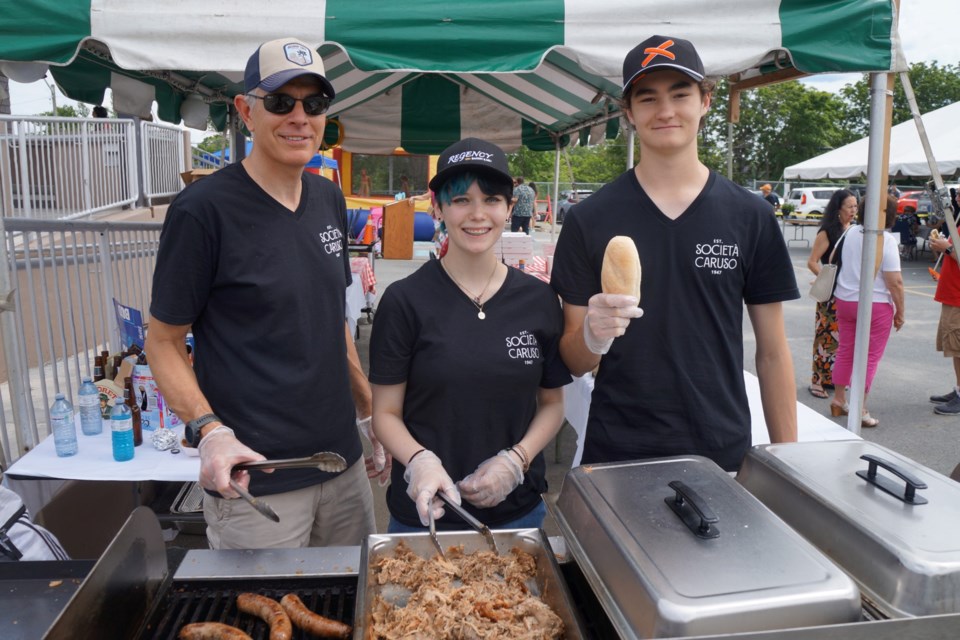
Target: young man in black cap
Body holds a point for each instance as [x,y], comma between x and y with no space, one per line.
[671,382]
[467,376]
[253,258]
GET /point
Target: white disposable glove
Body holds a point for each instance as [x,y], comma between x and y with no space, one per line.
[493,481]
[219,452]
[426,476]
[608,315]
[379,463]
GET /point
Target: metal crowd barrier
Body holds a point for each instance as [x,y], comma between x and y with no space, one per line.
[163,160]
[58,281]
[63,168]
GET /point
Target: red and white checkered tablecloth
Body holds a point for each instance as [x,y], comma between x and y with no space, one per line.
[537,267]
[361,267]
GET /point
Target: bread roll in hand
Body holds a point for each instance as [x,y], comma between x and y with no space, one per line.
[620,272]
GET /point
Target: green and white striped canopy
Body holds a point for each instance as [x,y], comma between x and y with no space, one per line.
[423,74]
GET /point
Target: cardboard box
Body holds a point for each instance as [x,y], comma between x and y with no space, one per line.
[195,174]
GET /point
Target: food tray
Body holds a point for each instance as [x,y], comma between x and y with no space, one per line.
[549,584]
[189,504]
[659,572]
[904,553]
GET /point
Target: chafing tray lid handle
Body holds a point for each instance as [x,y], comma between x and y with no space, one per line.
[911,483]
[701,523]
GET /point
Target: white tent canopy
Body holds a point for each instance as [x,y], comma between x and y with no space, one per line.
[906,152]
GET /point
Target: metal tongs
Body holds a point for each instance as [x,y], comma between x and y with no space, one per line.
[475,524]
[324,461]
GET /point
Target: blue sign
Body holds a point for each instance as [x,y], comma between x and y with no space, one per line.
[130,325]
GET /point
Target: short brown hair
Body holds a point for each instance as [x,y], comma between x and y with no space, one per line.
[891,213]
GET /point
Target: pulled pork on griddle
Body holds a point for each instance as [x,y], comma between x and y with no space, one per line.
[463,597]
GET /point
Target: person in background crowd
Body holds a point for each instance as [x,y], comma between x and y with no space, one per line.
[364,184]
[770,196]
[467,376]
[888,308]
[672,382]
[948,331]
[253,258]
[523,206]
[837,216]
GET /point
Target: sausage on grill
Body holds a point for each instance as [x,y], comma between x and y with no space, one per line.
[211,631]
[268,610]
[312,622]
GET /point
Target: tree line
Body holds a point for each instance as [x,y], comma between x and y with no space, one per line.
[780,125]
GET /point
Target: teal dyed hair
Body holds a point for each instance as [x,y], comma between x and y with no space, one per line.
[460,183]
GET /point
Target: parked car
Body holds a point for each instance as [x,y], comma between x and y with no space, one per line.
[808,202]
[568,199]
[915,202]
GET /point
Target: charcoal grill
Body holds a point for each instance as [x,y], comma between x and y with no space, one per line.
[135,591]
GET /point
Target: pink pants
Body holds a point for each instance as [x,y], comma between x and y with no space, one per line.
[881,322]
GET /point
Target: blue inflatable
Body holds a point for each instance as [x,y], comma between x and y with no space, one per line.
[422,224]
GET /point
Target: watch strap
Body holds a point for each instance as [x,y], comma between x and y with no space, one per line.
[193,429]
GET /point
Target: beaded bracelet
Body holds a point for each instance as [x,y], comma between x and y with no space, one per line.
[522,453]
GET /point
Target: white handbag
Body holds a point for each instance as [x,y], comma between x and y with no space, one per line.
[822,288]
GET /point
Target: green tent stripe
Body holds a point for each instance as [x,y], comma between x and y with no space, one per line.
[563,95]
[570,67]
[539,140]
[493,35]
[345,100]
[495,82]
[430,117]
[43,30]
[863,43]
[363,85]
[84,80]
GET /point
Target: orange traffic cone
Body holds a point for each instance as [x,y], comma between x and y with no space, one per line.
[369,231]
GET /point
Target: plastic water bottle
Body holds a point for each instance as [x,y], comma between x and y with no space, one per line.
[88,398]
[63,428]
[121,428]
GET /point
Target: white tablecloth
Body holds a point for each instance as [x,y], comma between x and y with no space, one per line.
[356,301]
[94,461]
[810,424]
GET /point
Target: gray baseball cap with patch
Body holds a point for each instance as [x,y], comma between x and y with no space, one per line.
[277,62]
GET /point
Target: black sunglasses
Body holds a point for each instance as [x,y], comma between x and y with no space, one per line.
[281,103]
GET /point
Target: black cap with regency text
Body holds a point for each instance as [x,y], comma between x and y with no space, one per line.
[471,154]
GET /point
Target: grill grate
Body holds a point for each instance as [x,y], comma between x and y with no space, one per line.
[215,601]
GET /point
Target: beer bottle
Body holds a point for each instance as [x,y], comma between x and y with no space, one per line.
[105,357]
[130,400]
[98,373]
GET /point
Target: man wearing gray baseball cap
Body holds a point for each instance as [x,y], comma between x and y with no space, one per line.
[254,259]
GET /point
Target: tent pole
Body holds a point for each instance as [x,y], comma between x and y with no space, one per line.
[556,192]
[878,158]
[630,136]
[941,191]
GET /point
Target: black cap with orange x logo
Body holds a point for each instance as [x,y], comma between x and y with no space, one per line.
[661,52]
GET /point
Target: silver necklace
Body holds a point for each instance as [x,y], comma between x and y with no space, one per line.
[475,299]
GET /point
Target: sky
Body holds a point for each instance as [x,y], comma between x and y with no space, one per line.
[929,29]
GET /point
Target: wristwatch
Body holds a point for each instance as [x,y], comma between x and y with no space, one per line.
[948,250]
[192,430]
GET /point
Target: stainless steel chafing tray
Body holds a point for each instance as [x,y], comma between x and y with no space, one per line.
[889,521]
[549,585]
[716,561]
